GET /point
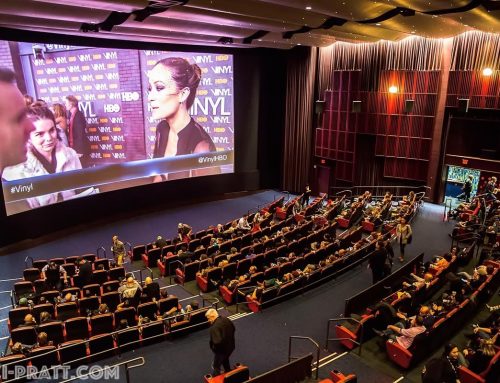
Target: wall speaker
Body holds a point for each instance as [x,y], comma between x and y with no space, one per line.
[409,105]
[356,106]
[319,106]
[463,105]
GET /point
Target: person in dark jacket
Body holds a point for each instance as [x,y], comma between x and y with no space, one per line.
[377,261]
[222,341]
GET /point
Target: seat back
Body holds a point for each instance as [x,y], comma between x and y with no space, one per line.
[101,261]
[166,304]
[44,357]
[91,290]
[101,346]
[152,332]
[9,363]
[23,289]
[112,299]
[76,328]
[31,274]
[54,330]
[73,353]
[128,339]
[148,309]
[38,309]
[99,276]
[25,335]
[110,286]
[67,310]
[88,305]
[101,324]
[16,316]
[128,314]
[117,273]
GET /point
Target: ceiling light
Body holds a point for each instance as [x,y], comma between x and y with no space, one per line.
[308,8]
[487,72]
[393,89]
[378,24]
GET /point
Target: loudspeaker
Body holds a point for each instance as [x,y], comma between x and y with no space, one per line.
[319,106]
[463,105]
[356,106]
[409,105]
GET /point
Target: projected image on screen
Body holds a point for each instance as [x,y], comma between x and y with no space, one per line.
[106,119]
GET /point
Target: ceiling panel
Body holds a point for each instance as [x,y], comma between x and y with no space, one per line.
[253,23]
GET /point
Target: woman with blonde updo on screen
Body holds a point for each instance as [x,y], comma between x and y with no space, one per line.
[46,155]
[172,90]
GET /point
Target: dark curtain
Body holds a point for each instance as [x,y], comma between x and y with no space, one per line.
[297,148]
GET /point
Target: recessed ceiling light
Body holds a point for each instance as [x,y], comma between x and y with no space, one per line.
[308,8]
[487,72]
[413,32]
[393,89]
[378,24]
[299,44]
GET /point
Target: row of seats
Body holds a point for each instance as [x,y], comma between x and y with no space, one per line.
[82,351]
[441,329]
[87,306]
[102,278]
[81,327]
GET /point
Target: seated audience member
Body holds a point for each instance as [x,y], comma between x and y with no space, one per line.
[184,232]
[475,280]
[45,317]
[159,243]
[243,224]
[420,282]
[68,297]
[103,309]
[29,321]
[404,336]
[52,274]
[129,289]
[481,357]
[151,289]
[122,325]
[84,271]
[42,340]
[439,263]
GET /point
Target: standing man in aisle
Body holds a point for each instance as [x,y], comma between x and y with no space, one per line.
[221,341]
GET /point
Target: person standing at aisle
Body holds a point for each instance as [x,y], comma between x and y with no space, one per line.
[222,341]
[466,189]
[377,261]
[404,235]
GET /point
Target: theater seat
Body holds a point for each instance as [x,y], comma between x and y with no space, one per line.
[399,355]
[338,377]
[239,374]
[73,353]
[44,357]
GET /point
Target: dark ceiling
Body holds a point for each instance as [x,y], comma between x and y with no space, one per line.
[253,23]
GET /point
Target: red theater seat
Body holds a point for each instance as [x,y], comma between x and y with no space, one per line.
[239,374]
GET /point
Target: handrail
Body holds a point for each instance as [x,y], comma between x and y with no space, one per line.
[214,302]
[141,363]
[361,333]
[240,291]
[310,340]
[356,189]
[170,267]
[447,202]
[103,249]
[26,261]
[141,270]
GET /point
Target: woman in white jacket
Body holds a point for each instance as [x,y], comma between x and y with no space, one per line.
[46,155]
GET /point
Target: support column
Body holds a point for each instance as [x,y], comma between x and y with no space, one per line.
[434,171]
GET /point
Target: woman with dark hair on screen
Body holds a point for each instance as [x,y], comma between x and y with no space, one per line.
[46,155]
[172,90]
[60,115]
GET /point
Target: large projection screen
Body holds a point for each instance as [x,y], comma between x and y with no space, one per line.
[136,126]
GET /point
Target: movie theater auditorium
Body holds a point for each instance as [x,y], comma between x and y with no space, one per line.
[323,174]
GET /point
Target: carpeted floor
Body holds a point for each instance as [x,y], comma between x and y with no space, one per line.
[262,339]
